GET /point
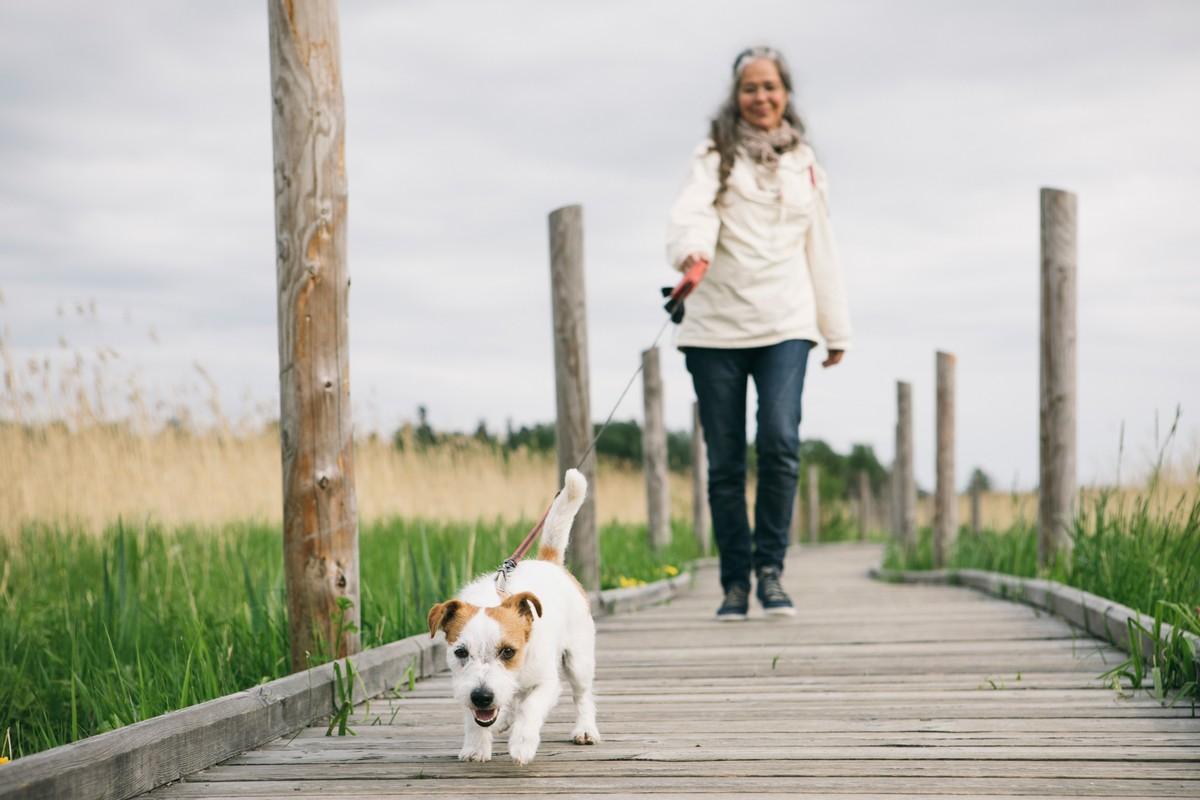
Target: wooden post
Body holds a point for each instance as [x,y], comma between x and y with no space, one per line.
[320,516]
[654,452]
[573,426]
[864,504]
[700,514]
[794,526]
[1056,493]
[814,503]
[975,507]
[945,506]
[906,483]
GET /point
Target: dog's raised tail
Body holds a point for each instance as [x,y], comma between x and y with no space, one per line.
[557,529]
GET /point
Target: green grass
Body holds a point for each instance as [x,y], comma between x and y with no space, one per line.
[97,632]
[1147,560]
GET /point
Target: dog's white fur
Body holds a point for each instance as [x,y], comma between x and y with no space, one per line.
[544,603]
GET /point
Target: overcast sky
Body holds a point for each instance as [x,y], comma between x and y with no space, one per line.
[135,142]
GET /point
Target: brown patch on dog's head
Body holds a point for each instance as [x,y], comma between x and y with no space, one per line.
[515,617]
[450,617]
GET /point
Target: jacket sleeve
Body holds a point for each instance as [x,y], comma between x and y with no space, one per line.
[833,317]
[693,224]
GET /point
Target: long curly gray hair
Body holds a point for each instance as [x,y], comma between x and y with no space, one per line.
[724,127]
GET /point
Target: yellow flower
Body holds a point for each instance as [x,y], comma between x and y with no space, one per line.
[627,583]
[671,570]
[3,759]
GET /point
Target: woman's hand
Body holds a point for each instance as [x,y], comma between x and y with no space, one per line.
[835,357]
[691,261]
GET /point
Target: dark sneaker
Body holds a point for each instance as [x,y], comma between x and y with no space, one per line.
[774,599]
[735,605]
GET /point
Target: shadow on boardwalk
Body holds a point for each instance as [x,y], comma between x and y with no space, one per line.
[872,689]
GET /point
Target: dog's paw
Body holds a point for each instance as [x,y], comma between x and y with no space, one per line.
[585,736]
[469,753]
[522,749]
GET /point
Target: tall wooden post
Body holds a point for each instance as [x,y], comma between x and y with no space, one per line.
[864,504]
[814,503]
[906,483]
[700,514]
[945,506]
[320,516]
[654,452]
[1056,494]
[975,507]
[794,526]
[571,378]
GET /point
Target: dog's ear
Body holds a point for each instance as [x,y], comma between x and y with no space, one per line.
[441,615]
[526,604]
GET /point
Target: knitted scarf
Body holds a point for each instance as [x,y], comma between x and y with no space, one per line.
[765,147]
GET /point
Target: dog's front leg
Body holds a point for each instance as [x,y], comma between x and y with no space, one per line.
[477,741]
[528,720]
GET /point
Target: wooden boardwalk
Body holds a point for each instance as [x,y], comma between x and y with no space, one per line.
[873,689]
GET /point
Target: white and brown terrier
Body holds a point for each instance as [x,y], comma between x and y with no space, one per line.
[504,649]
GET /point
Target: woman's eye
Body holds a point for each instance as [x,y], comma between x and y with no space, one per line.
[507,653]
[461,653]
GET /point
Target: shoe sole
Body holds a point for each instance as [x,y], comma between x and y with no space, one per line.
[780,612]
[731,617]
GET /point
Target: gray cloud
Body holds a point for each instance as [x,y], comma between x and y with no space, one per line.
[136,145]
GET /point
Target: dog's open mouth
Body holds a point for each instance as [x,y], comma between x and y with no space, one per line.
[485,716]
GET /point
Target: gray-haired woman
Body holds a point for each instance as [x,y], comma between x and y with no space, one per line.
[754,208]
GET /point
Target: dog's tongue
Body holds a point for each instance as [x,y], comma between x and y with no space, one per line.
[485,715]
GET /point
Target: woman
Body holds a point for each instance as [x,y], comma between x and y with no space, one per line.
[755,209]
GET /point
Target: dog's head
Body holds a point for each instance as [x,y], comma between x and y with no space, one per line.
[485,649]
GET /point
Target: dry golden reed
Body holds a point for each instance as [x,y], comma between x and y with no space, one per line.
[92,476]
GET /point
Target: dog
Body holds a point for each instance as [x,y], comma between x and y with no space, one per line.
[504,649]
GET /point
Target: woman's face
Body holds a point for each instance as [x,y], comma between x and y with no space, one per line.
[761,94]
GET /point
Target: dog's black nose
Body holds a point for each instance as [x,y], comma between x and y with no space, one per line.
[482,697]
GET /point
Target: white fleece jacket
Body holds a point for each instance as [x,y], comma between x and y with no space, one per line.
[773,267]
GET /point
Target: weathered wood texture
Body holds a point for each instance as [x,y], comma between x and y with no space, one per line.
[1056,420]
[865,506]
[813,504]
[945,498]
[320,516]
[976,507]
[701,521]
[136,758]
[872,689]
[572,381]
[905,486]
[654,452]
[797,514]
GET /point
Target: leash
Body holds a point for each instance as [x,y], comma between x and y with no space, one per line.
[674,308]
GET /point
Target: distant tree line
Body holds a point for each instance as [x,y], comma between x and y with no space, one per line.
[622,442]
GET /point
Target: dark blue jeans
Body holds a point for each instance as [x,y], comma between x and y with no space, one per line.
[720,377]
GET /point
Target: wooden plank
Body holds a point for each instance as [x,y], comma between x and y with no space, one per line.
[623,785]
[830,705]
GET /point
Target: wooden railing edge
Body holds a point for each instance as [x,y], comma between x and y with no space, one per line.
[147,754]
[1096,615]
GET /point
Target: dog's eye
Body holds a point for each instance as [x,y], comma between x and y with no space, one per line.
[461,653]
[507,653]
